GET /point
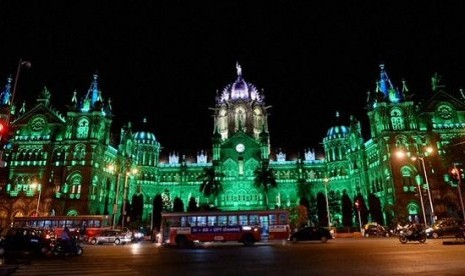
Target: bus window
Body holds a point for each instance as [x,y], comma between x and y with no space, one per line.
[212,221]
[201,221]
[192,221]
[222,220]
[253,219]
[273,219]
[243,220]
[232,220]
[282,218]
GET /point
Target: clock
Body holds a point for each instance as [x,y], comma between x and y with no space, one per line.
[445,112]
[37,123]
[240,147]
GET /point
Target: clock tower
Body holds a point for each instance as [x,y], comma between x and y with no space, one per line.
[240,142]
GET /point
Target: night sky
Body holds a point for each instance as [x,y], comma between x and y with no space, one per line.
[164,60]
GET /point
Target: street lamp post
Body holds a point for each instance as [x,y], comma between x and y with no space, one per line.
[459,179]
[37,187]
[422,204]
[125,194]
[115,204]
[327,202]
[357,205]
[401,154]
[433,216]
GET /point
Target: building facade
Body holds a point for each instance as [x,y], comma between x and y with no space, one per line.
[55,164]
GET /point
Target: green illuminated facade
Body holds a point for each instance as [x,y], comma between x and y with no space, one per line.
[82,169]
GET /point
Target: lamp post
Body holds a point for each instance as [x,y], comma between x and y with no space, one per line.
[125,194]
[433,216]
[459,179]
[115,204]
[357,205]
[21,63]
[401,154]
[326,181]
[37,187]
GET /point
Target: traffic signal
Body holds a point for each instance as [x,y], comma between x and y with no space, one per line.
[455,175]
[3,130]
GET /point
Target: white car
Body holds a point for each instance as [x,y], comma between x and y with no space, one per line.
[111,236]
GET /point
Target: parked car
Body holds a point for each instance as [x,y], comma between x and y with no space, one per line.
[111,236]
[375,230]
[311,233]
[25,240]
[444,227]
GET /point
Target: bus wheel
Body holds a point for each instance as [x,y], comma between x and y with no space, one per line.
[248,240]
[181,241]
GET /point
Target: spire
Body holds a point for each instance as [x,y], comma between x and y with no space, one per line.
[93,92]
[436,82]
[461,93]
[23,108]
[5,96]
[385,83]
[239,70]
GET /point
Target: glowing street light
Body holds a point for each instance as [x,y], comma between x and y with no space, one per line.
[37,187]
[326,181]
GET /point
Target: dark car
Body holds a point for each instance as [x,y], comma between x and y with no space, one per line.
[24,240]
[375,230]
[311,233]
[444,227]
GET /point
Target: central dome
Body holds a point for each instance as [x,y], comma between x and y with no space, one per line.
[240,90]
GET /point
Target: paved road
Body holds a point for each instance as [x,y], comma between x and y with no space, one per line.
[362,256]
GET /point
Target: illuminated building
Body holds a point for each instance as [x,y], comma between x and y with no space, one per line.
[71,156]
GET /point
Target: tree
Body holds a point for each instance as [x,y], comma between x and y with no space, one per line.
[347,210]
[137,207]
[156,211]
[321,209]
[178,205]
[375,209]
[211,184]
[265,180]
[192,205]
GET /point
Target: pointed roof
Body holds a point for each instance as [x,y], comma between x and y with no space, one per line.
[5,95]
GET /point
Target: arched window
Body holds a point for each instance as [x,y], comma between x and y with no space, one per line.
[75,186]
[240,118]
[82,129]
[408,179]
[397,119]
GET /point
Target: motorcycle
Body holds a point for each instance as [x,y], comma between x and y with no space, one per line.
[410,234]
[66,248]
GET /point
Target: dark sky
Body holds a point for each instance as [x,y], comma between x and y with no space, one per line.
[164,60]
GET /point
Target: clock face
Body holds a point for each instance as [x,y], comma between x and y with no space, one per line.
[240,147]
[445,112]
[37,123]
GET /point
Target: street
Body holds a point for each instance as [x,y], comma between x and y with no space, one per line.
[342,256]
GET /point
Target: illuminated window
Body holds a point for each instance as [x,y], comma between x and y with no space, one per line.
[397,120]
[82,129]
[408,181]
